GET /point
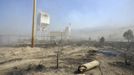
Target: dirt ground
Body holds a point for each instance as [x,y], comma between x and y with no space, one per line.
[42,61]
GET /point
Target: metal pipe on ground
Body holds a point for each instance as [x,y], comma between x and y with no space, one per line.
[88,66]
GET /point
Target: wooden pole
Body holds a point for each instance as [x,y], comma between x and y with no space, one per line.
[33,24]
[88,66]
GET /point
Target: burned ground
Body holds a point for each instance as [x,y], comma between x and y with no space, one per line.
[42,61]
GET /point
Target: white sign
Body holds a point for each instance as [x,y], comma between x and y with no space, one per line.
[43,21]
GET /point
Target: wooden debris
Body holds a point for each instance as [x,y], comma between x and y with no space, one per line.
[88,66]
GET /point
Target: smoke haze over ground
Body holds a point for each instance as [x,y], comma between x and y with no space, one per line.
[90,18]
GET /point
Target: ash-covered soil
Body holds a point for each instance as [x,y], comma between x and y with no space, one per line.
[42,61]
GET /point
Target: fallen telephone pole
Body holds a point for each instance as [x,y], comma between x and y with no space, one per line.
[87,66]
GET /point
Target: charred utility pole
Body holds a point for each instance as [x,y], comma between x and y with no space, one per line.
[33,24]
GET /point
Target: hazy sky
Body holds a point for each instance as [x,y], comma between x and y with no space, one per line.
[16,15]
